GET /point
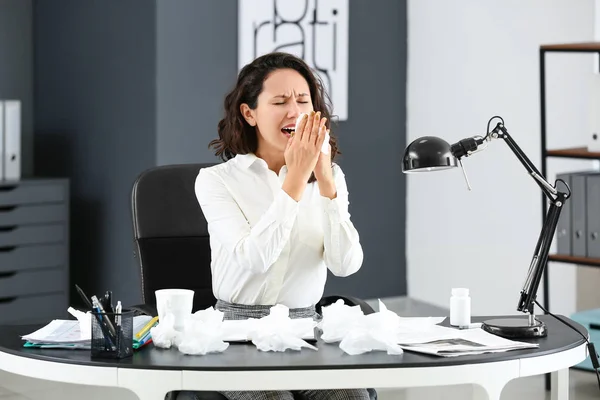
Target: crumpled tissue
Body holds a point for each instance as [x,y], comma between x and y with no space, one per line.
[326,147]
[359,333]
[202,333]
[278,332]
[85,322]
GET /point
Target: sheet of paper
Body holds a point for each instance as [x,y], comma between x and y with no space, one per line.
[451,342]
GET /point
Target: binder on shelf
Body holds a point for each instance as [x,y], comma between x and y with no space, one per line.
[578,214]
[563,230]
[12,140]
[593,216]
[578,211]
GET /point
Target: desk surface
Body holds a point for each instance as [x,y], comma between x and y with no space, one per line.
[245,357]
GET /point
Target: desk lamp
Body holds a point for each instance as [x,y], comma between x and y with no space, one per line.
[430,153]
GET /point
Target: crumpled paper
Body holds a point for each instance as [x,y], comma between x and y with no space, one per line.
[278,332]
[359,333]
[326,147]
[85,322]
[202,333]
[164,334]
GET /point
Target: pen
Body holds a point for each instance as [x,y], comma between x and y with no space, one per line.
[118,311]
[108,302]
[106,320]
[85,299]
[103,326]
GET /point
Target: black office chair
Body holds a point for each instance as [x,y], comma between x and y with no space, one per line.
[172,242]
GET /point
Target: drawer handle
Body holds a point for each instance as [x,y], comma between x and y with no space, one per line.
[595,327]
[7,208]
[7,188]
[7,249]
[7,228]
[6,300]
[7,274]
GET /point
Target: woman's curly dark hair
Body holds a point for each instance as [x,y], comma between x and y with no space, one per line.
[236,136]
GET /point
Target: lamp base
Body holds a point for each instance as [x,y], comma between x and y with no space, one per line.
[515,328]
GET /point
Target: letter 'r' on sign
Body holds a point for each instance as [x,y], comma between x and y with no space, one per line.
[315,30]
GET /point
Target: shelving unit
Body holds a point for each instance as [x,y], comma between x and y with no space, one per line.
[575,153]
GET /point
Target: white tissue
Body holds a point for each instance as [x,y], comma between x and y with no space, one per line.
[359,333]
[202,333]
[164,334]
[326,147]
[338,320]
[85,322]
[278,332]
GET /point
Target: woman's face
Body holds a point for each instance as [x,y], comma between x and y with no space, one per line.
[284,96]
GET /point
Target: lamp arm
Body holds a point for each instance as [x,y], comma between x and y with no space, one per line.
[540,255]
[501,132]
[557,201]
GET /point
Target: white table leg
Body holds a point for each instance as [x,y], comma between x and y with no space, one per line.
[149,384]
[489,391]
[560,385]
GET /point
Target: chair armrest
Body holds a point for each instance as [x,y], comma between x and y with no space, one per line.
[144,309]
[350,301]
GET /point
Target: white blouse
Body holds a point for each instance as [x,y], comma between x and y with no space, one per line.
[267,248]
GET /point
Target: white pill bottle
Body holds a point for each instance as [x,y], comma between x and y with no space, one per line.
[460,307]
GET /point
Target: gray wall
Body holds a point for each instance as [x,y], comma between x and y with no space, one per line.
[372,141]
[122,86]
[197,65]
[95,121]
[16,68]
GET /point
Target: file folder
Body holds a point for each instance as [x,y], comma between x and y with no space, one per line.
[12,140]
[563,230]
[593,216]
[578,202]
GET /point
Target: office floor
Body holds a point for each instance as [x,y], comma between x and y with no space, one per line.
[583,384]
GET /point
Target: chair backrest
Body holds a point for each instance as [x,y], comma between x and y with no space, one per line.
[171,233]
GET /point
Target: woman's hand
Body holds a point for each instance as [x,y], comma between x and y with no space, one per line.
[324,174]
[302,153]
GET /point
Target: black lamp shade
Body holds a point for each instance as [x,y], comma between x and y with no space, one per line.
[428,153]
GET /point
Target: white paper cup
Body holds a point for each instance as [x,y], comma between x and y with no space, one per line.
[178,302]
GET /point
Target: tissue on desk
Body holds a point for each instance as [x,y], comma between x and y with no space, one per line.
[338,320]
[164,334]
[359,333]
[278,332]
[85,322]
[202,333]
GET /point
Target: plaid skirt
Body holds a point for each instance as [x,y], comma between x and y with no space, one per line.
[242,311]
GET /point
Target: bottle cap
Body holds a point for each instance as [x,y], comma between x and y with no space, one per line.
[460,292]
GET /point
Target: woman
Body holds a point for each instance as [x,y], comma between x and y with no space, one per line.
[277,209]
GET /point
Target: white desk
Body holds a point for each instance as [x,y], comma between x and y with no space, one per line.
[151,373]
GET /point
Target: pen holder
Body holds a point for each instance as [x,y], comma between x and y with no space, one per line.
[112,334]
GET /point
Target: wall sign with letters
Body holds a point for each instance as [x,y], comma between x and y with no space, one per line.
[315,30]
